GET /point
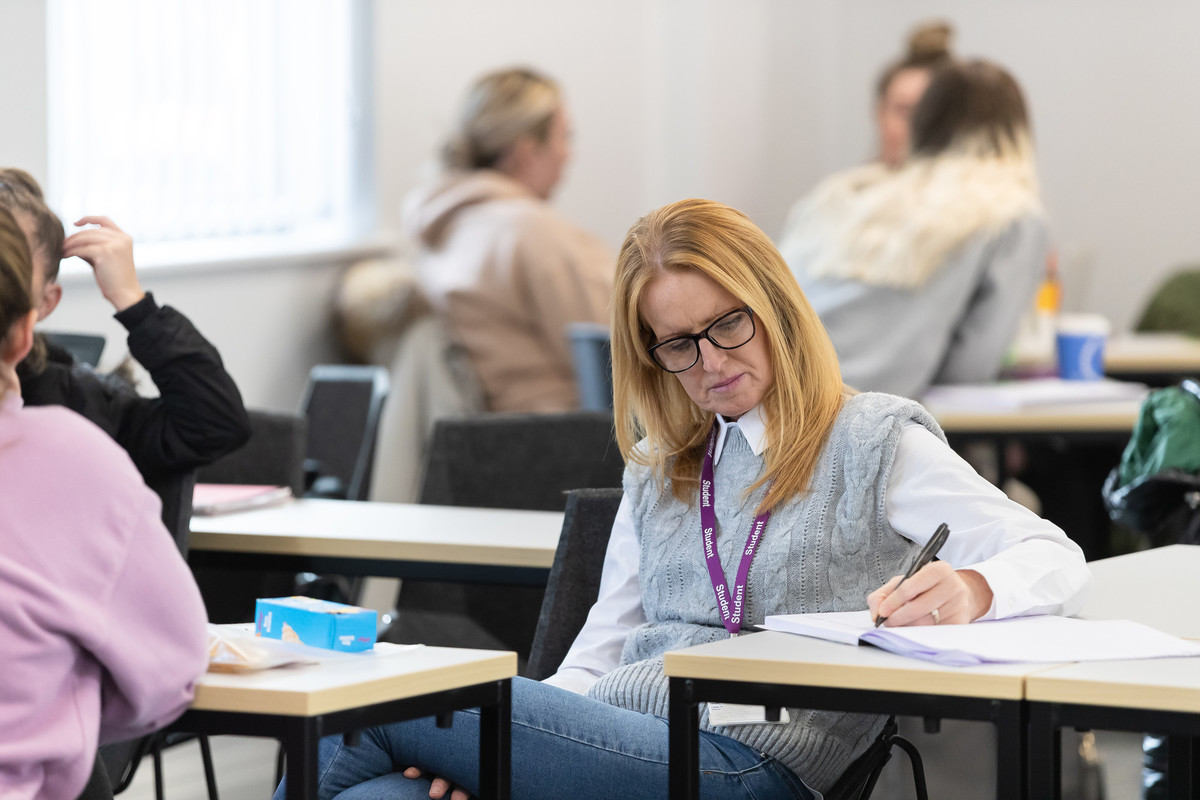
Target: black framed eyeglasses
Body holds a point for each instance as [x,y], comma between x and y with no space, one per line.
[729,332]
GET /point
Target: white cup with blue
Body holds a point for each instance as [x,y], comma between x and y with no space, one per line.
[1080,343]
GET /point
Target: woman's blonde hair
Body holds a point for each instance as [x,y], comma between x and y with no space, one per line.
[501,108]
[806,393]
[16,273]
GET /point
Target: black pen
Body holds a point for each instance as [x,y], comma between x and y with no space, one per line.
[926,555]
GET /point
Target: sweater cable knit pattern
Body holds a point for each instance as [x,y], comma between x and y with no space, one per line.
[824,551]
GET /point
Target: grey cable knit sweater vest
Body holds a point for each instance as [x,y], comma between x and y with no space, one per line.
[824,551]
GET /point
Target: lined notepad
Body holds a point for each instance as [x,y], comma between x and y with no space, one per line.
[1020,639]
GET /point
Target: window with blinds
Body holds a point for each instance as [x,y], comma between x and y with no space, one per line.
[231,121]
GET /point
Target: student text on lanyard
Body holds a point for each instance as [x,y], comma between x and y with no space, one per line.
[731,608]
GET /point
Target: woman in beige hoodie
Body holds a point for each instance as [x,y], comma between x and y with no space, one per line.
[507,271]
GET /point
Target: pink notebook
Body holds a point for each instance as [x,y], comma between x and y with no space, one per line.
[225,498]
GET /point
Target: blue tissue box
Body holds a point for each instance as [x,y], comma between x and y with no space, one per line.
[318,623]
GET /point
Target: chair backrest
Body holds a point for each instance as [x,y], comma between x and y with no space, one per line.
[574,578]
[343,404]
[592,350]
[524,461]
[84,347]
[175,490]
[272,456]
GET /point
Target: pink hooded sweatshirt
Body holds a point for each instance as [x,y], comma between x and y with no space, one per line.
[102,629]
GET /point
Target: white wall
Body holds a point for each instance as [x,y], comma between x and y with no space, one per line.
[749,103]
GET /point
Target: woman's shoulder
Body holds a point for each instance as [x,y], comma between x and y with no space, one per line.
[834,192]
[544,239]
[879,411]
[66,445]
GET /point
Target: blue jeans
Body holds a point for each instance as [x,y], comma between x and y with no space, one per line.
[563,745]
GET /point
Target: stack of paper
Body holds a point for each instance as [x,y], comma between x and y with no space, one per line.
[1014,395]
[1020,639]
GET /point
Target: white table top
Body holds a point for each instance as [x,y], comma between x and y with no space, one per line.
[1154,587]
[388,531]
[351,682]
[788,659]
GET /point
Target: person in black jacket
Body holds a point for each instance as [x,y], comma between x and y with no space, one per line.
[198,415]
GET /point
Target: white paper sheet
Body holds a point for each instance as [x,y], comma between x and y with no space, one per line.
[1021,639]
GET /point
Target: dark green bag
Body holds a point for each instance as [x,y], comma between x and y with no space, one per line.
[1156,487]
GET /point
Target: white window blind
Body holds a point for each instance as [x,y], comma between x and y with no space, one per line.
[225,120]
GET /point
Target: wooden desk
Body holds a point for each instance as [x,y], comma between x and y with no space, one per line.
[1105,421]
[300,705]
[1158,695]
[382,539]
[1154,587]
[1158,359]
[781,669]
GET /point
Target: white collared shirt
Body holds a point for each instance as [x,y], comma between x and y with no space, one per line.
[1029,563]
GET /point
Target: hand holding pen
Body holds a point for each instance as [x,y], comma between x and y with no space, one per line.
[923,559]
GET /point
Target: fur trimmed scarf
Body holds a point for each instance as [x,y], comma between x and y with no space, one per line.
[895,228]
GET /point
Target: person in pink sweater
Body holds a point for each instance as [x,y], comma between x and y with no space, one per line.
[102,626]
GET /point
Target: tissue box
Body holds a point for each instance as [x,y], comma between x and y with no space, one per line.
[318,623]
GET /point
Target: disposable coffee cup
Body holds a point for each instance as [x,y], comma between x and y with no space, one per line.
[1080,342]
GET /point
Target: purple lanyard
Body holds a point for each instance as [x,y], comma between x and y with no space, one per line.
[732,618]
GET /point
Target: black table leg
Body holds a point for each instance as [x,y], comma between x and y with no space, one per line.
[1012,773]
[684,743]
[300,741]
[495,745]
[1180,765]
[1045,752]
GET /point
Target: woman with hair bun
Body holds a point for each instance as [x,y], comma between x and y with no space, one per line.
[507,271]
[922,273]
[902,83]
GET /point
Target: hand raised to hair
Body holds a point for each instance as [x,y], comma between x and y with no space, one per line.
[440,786]
[109,251]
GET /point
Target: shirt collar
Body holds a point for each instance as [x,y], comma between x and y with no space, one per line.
[753,427]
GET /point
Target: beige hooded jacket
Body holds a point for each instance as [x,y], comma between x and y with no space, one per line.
[509,274]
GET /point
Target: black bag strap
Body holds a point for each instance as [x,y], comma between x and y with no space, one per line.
[859,779]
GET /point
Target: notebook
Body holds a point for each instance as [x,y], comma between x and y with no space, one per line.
[1020,639]
[209,499]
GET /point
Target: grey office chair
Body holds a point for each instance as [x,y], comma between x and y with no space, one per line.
[591,349]
[574,581]
[273,456]
[343,404]
[525,461]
